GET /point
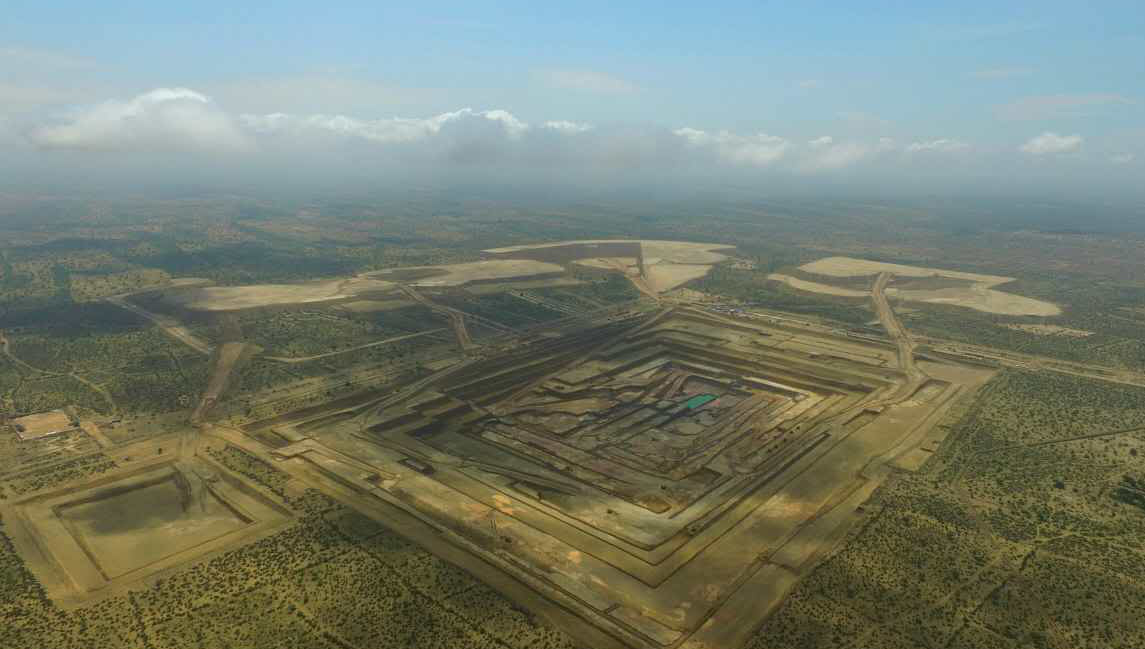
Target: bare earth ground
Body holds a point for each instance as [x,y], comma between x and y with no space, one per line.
[852,267]
[816,287]
[666,264]
[232,298]
[681,252]
[476,271]
[666,276]
[44,423]
[980,296]
[625,265]
[146,524]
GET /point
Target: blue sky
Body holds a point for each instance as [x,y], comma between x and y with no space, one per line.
[885,83]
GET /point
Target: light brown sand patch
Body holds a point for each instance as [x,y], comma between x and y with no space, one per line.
[980,296]
[232,298]
[478,271]
[816,287]
[852,267]
[42,424]
[680,252]
[665,277]
[627,265]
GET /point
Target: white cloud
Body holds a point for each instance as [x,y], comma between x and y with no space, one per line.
[390,130]
[513,126]
[756,150]
[810,84]
[179,119]
[586,81]
[1052,143]
[159,120]
[565,126]
[821,154]
[941,145]
[1122,158]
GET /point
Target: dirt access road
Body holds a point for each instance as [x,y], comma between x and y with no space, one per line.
[167,325]
[899,335]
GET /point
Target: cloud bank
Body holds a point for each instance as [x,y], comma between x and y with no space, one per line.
[758,150]
[1051,144]
[941,145]
[394,130]
[165,123]
[164,119]
[183,120]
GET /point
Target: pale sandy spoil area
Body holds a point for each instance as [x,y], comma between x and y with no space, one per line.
[851,267]
[680,252]
[43,424]
[476,271]
[980,296]
[816,287]
[627,265]
[667,264]
[665,276]
[231,298]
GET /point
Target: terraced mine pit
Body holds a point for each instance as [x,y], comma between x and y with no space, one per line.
[667,477]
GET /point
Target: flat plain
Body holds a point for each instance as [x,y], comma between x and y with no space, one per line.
[586,430]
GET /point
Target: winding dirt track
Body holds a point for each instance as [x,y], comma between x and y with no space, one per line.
[901,337]
[904,345]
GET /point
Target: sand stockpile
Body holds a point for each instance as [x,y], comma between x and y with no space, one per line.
[666,264]
[475,271]
[233,298]
[979,295]
[816,287]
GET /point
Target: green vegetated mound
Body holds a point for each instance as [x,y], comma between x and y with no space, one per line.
[333,580]
[1026,530]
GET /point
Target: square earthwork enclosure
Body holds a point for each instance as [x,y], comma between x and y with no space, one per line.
[82,540]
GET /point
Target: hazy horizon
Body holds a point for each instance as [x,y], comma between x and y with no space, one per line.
[1041,100]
